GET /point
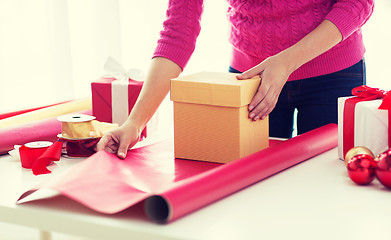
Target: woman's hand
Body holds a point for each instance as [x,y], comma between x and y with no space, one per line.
[274,72]
[119,140]
[276,69]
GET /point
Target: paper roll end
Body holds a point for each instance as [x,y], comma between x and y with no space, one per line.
[157,209]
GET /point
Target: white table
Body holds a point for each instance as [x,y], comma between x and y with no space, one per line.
[313,200]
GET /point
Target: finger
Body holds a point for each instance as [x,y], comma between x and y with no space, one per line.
[122,149]
[263,114]
[259,112]
[111,148]
[103,142]
[264,108]
[250,73]
[257,99]
[267,113]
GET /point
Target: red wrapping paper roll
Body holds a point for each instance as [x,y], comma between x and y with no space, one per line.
[174,188]
[42,130]
[210,186]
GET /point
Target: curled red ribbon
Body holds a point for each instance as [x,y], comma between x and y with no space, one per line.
[362,93]
[38,158]
[367,93]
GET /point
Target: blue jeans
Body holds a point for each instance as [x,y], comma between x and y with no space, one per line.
[315,100]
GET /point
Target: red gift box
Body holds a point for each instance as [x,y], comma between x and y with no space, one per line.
[102,99]
[114,95]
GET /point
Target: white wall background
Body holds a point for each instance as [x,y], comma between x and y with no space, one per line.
[51,50]
[377,37]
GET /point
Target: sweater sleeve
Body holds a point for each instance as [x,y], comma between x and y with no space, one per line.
[350,15]
[180,31]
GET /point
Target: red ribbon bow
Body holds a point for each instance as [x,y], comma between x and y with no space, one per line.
[368,93]
[363,93]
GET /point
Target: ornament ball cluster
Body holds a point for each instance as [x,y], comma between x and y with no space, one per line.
[363,167]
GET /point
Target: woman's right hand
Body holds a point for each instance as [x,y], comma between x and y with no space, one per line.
[119,140]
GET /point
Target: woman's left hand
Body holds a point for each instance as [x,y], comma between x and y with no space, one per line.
[274,73]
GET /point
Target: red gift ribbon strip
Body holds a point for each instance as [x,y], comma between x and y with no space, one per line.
[39,158]
[362,93]
[53,153]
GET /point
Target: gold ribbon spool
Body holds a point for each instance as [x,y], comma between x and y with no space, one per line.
[81,126]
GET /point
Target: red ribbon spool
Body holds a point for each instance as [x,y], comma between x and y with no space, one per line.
[80,147]
[38,155]
[30,152]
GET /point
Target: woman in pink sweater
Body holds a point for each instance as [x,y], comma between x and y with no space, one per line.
[308,53]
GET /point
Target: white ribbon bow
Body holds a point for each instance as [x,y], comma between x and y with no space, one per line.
[115,70]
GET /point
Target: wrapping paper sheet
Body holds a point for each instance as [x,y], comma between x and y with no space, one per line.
[40,130]
[172,187]
[47,112]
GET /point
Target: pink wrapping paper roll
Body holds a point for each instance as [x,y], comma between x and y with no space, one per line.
[40,130]
[174,188]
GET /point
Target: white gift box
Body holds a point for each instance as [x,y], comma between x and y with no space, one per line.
[370,126]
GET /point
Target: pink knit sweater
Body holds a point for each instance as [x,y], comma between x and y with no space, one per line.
[261,28]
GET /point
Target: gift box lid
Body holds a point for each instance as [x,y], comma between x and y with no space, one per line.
[214,88]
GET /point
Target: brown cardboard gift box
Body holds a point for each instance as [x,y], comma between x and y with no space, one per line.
[211,118]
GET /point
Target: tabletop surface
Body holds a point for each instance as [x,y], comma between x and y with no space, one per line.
[315,199]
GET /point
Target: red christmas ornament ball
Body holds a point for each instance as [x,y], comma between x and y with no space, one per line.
[361,169]
[356,151]
[383,168]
